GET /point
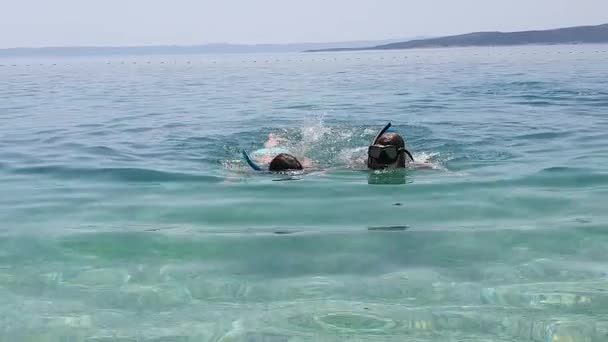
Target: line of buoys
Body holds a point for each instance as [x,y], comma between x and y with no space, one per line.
[325,59]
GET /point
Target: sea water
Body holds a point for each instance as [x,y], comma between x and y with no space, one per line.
[128,214]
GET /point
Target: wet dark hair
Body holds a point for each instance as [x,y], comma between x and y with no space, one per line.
[388,139]
[284,162]
[391,139]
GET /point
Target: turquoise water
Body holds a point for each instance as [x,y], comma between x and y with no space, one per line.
[128,215]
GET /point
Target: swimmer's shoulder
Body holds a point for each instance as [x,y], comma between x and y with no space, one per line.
[270,151]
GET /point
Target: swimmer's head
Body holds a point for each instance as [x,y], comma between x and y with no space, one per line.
[388,152]
[284,162]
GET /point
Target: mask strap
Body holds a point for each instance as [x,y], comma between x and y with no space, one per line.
[409,154]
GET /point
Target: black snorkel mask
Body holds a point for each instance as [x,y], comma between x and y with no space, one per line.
[385,155]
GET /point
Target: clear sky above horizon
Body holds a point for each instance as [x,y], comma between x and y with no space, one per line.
[35,23]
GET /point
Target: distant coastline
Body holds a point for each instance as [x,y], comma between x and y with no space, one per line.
[569,35]
[181,50]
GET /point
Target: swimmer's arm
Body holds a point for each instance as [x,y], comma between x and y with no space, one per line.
[421,166]
[307,163]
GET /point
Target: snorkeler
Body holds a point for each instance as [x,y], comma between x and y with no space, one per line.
[388,151]
[275,158]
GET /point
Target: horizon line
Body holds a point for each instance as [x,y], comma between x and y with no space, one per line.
[202,44]
[167,45]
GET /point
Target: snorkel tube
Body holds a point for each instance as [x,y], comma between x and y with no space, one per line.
[250,161]
[388,125]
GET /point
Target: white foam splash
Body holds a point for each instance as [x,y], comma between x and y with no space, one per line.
[427,160]
[354,158]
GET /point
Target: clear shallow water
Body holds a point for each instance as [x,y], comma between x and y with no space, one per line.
[127,214]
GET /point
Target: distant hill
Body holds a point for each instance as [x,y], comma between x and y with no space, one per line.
[570,35]
[181,50]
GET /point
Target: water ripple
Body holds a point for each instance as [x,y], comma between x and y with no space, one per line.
[129,215]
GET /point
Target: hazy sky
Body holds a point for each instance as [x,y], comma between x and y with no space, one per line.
[32,23]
